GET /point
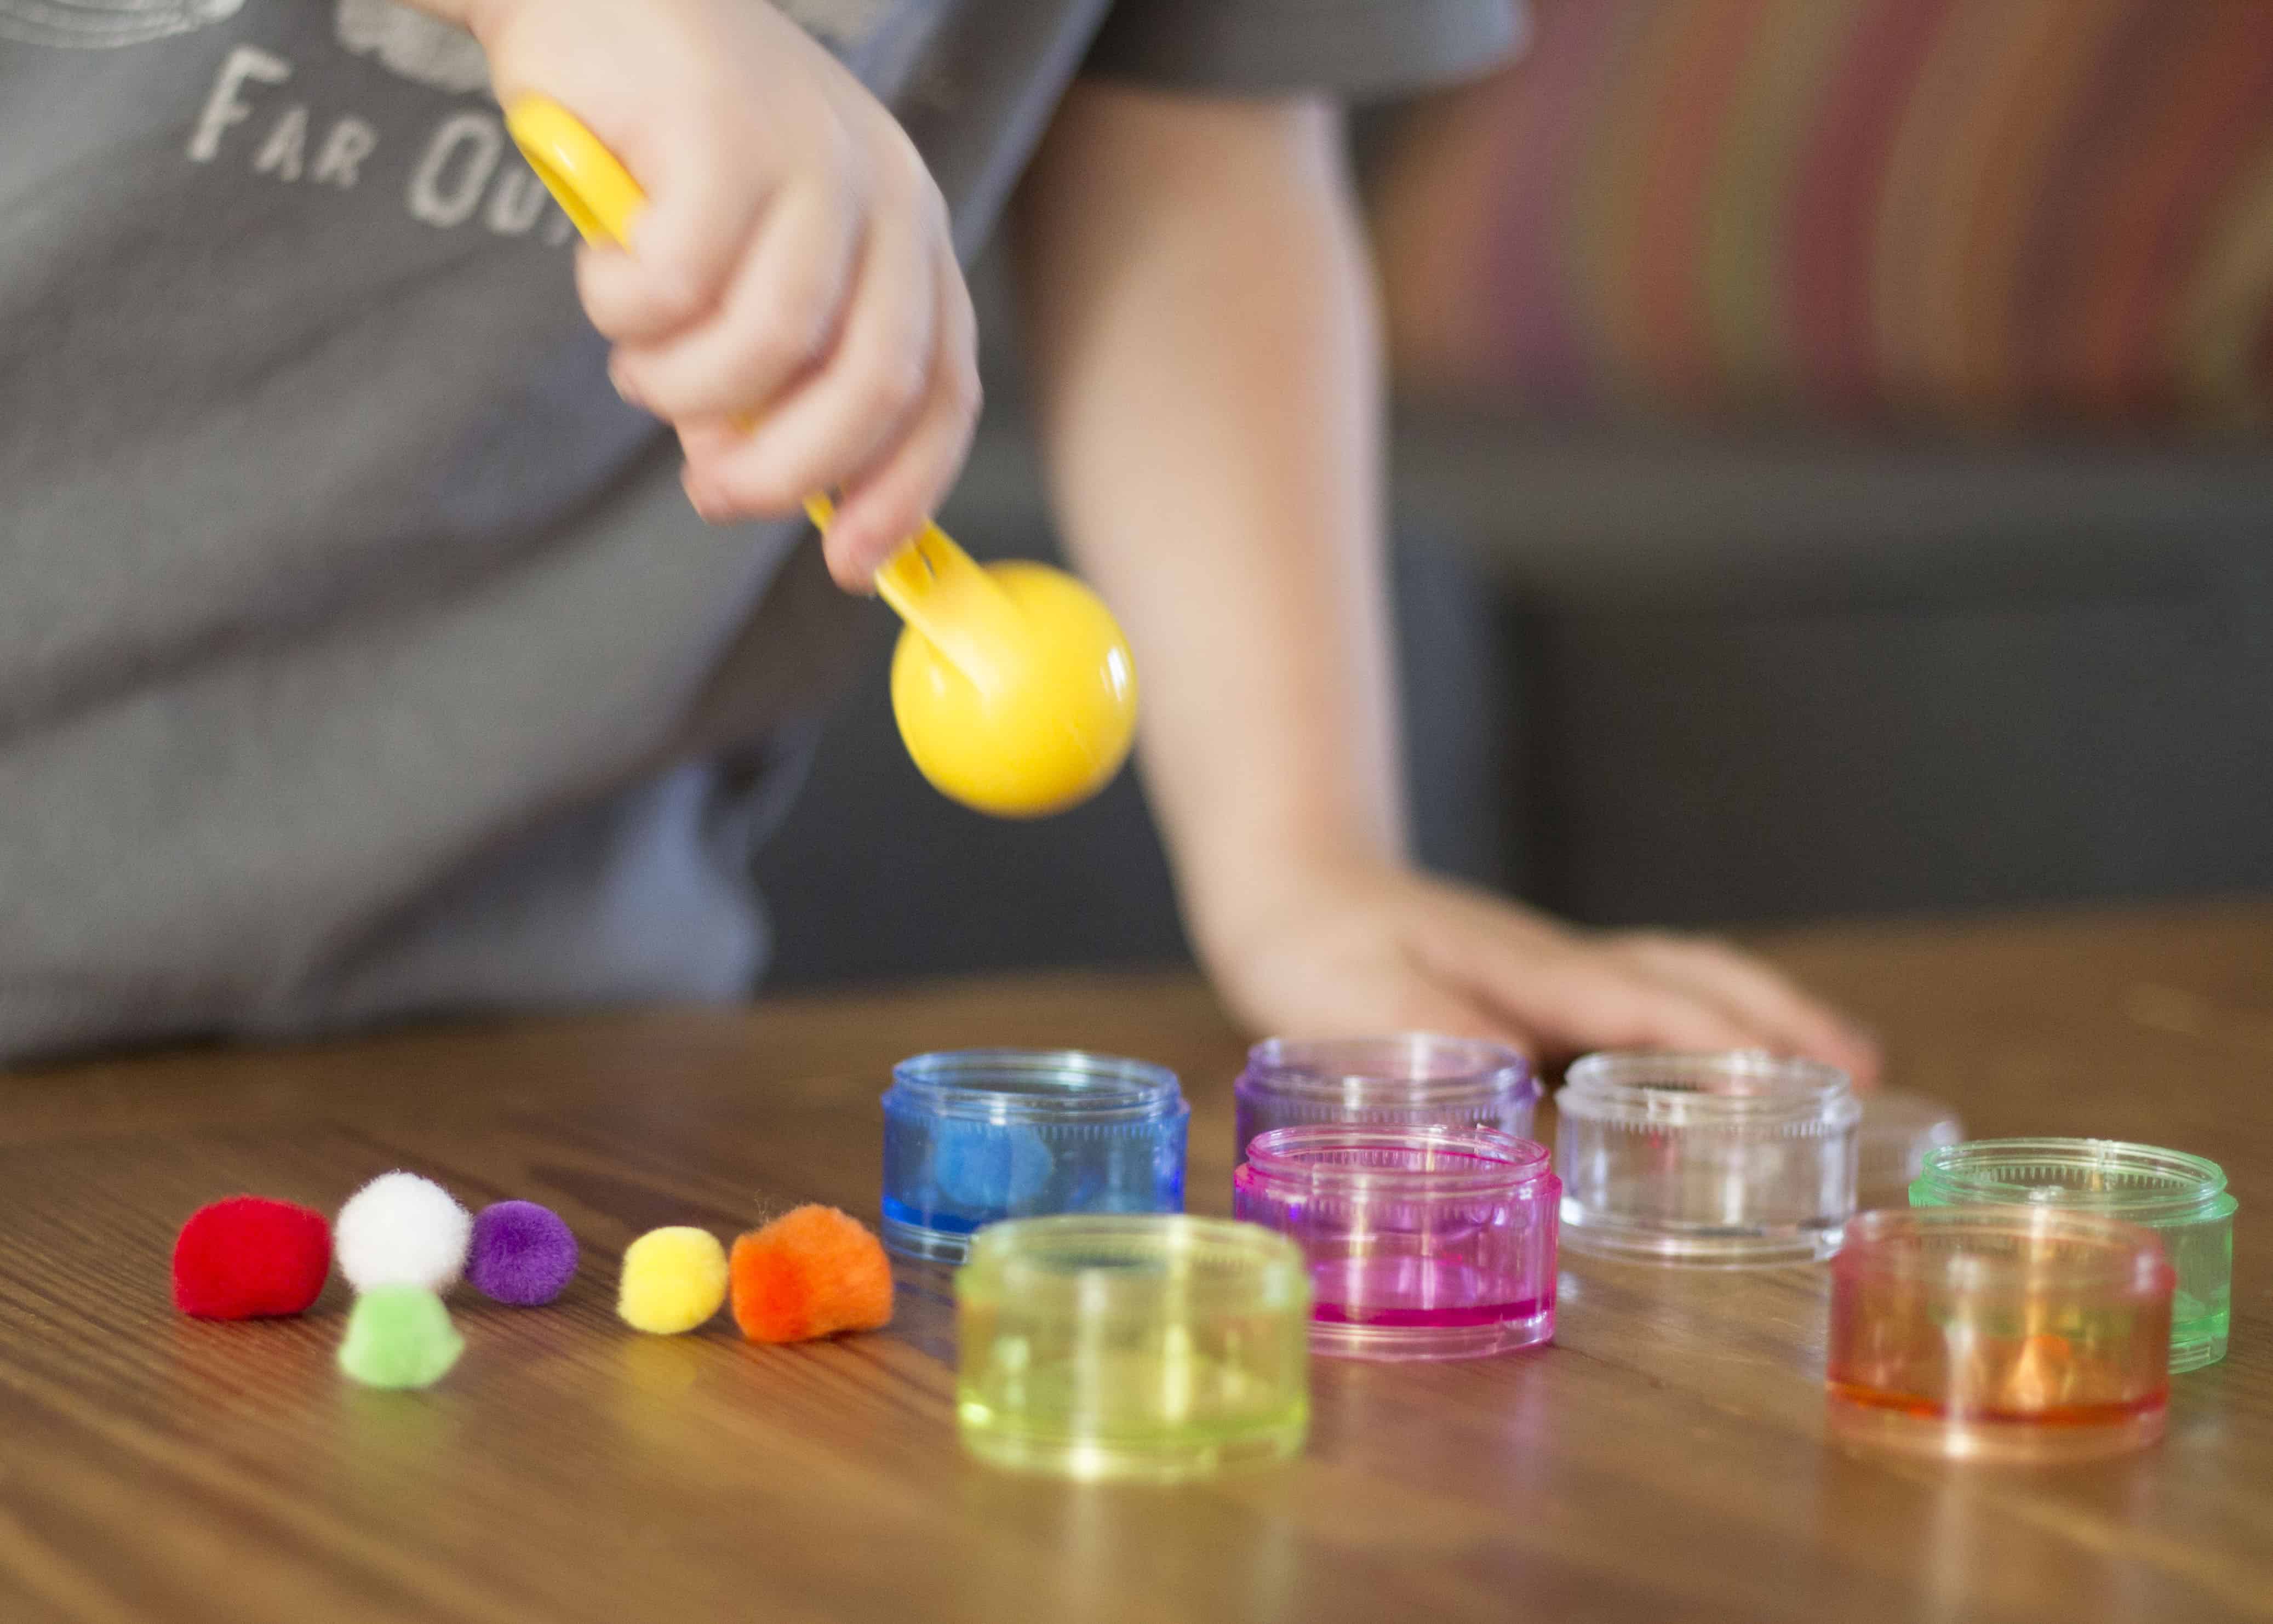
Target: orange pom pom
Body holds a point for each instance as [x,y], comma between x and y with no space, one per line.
[810,1273]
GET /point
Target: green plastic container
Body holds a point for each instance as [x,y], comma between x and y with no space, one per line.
[1151,1346]
[2183,1198]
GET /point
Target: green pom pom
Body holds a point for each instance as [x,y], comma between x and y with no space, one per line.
[399,1337]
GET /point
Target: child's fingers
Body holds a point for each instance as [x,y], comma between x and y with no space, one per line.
[1580,998]
[705,197]
[1368,997]
[1424,1005]
[1418,1002]
[1785,1018]
[781,311]
[890,501]
[706,443]
[864,397]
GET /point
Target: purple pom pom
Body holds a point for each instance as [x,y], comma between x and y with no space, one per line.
[522,1254]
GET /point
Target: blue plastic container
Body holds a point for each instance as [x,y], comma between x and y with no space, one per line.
[974,1136]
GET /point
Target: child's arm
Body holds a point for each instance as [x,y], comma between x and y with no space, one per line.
[794,266]
[1202,332]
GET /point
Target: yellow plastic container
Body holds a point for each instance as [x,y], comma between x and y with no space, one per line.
[1153,1348]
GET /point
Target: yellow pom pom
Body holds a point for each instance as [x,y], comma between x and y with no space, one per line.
[674,1279]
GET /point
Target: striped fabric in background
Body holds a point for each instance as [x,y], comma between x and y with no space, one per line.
[1982,212]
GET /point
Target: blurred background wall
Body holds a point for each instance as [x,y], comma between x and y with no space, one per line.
[1830,478]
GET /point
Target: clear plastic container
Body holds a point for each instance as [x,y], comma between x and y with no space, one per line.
[1148,1347]
[1422,1243]
[1417,1081]
[2000,1334]
[975,1136]
[1715,1160]
[2181,1197]
[1892,1141]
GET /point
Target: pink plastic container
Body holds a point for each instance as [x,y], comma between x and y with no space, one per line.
[1423,1243]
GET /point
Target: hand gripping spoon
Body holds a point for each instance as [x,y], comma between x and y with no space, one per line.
[1014,689]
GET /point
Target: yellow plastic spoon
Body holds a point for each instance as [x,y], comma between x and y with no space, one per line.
[1012,684]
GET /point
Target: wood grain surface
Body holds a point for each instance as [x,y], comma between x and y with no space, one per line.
[1665,1460]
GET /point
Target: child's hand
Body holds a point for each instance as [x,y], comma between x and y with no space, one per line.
[1363,949]
[791,303]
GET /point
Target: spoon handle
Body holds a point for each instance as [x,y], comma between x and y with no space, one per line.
[946,595]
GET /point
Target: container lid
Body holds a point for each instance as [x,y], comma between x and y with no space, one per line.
[1035,1085]
[1413,1068]
[2141,1183]
[1351,1159]
[1738,1090]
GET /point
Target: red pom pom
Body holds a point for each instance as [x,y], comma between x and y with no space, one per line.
[811,1273]
[249,1257]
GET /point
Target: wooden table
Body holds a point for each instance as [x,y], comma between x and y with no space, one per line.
[1665,1460]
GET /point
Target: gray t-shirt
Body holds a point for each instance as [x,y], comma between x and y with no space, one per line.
[359,656]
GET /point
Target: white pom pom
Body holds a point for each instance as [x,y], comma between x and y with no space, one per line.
[400,1229]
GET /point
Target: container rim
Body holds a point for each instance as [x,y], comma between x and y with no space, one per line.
[1458,1162]
[1984,1172]
[1408,1068]
[1035,1085]
[1126,1263]
[1978,1249]
[1675,1089]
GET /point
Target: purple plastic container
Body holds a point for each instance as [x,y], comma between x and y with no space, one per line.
[1424,1242]
[1417,1081]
